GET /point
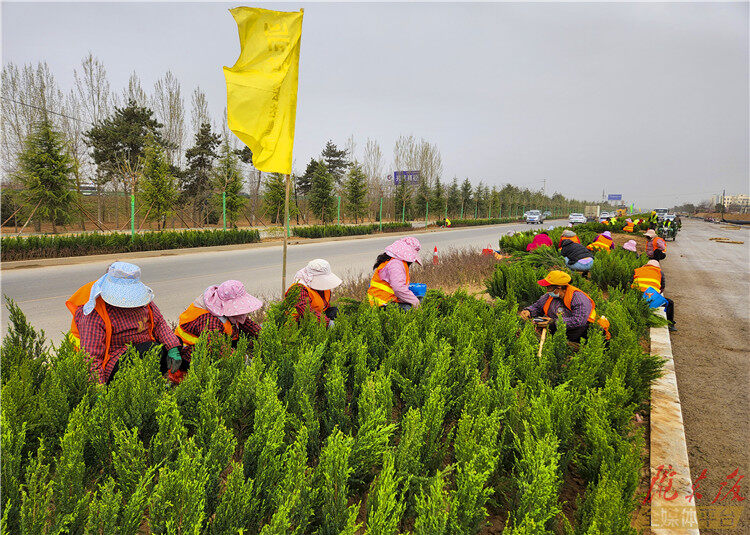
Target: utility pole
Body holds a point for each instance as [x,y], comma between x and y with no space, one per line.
[723,203]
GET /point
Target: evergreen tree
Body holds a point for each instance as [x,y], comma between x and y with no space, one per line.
[454,198]
[158,184]
[197,178]
[356,193]
[322,201]
[122,138]
[245,155]
[466,199]
[478,200]
[274,189]
[402,201]
[227,179]
[45,171]
[421,198]
[437,202]
[336,161]
[304,181]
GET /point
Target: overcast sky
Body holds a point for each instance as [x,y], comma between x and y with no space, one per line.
[647,100]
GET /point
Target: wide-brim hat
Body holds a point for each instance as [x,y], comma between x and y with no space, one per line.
[568,233]
[120,287]
[230,299]
[650,233]
[629,245]
[654,263]
[317,275]
[607,233]
[406,249]
[555,278]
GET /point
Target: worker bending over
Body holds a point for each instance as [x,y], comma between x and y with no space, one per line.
[577,257]
[222,309]
[656,247]
[115,311]
[539,240]
[568,235]
[578,309]
[629,225]
[650,277]
[312,286]
[390,282]
[603,242]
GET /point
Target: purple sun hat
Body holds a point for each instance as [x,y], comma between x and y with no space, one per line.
[230,299]
[607,233]
[406,249]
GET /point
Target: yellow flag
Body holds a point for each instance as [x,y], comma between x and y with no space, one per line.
[262,85]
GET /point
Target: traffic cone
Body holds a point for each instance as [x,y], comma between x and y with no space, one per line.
[435,260]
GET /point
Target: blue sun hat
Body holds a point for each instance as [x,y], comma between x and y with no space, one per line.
[120,287]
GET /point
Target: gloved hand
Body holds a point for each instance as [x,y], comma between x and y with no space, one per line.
[174,360]
[332,312]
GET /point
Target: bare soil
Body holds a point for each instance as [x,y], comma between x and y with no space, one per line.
[710,284]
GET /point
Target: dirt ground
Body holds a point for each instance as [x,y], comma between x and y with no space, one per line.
[710,284]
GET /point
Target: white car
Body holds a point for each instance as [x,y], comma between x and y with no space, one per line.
[604,216]
[534,216]
[576,218]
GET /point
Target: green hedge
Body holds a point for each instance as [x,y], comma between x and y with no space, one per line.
[476,222]
[327,231]
[31,247]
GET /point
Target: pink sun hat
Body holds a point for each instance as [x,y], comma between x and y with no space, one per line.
[406,249]
[629,245]
[230,299]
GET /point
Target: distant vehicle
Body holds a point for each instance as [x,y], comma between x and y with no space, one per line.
[660,213]
[604,216]
[591,212]
[547,214]
[534,216]
[669,217]
[576,218]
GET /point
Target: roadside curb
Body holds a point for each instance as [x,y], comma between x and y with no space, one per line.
[111,257]
[669,448]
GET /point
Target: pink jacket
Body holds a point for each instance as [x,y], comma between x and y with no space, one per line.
[394,273]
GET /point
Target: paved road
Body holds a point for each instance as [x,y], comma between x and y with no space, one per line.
[41,292]
[710,284]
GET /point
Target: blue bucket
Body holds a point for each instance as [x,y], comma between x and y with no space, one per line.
[418,289]
[654,298]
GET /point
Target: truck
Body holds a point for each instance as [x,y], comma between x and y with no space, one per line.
[591,212]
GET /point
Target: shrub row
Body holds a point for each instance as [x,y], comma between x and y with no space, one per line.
[327,231]
[31,247]
[435,419]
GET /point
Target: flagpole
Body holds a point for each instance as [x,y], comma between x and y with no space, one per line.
[286,232]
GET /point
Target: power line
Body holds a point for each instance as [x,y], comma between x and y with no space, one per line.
[45,110]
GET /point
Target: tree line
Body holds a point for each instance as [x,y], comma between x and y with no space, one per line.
[57,144]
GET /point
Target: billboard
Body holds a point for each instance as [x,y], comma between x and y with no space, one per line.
[614,197]
[405,176]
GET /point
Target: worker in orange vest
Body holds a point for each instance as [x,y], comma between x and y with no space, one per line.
[656,247]
[578,309]
[568,235]
[390,281]
[650,277]
[311,291]
[603,242]
[629,225]
[115,311]
[222,308]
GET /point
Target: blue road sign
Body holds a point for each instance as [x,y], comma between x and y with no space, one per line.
[405,176]
[614,197]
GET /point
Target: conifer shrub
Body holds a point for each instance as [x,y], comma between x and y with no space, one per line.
[326,231]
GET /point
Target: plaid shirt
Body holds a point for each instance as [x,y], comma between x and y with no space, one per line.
[576,316]
[209,322]
[129,326]
[660,244]
[304,303]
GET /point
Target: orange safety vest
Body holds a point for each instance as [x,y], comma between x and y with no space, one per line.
[602,242]
[80,298]
[656,241]
[629,227]
[575,239]
[568,299]
[380,292]
[317,303]
[193,313]
[647,277]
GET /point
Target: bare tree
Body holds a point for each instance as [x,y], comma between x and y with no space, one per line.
[93,99]
[430,162]
[74,127]
[29,95]
[351,149]
[134,91]
[169,108]
[199,113]
[372,165]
